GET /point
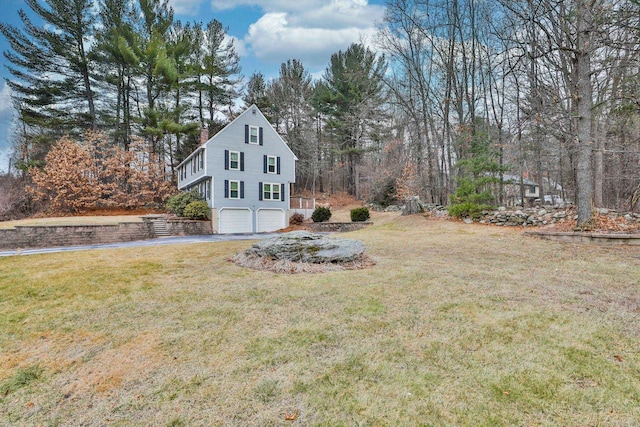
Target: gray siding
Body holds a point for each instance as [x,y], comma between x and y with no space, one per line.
[232,139]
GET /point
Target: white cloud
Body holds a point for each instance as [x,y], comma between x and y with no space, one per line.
[7,114]
[238,45]
[6,107]
[268,5]
[308,30]
[5,155]
[186,7]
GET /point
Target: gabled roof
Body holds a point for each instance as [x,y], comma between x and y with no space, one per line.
[251,109]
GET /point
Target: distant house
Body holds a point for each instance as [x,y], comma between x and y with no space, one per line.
[245,172]
[512,189]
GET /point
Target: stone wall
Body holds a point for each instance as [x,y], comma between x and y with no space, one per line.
[534,217]
[73,235]
[600,238]
[319,227]
[189,227]
[543,216]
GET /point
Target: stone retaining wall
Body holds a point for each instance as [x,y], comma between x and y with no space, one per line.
[319,227]
[189,227]
[601,238]
[73,235]
[535,217]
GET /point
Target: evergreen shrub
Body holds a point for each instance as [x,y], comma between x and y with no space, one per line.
[197,210]
[177,204]
[359,214]
[468,210]
[321,214]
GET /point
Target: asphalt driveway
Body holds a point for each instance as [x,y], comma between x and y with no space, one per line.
[142,243]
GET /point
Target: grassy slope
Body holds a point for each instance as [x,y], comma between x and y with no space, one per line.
[456,325]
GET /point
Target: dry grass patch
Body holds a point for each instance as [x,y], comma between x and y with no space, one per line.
[285,266]
[455,325]
[71,220]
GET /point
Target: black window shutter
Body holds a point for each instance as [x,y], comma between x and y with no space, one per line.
[226,188]
[242,189]
[260,191]
[260,137]
[278,163]
[282,192]
[226,159]
[242,161]
[264,161]
[246,134]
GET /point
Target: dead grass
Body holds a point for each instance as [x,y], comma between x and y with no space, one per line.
[455,325]
[285,266]
[71,220]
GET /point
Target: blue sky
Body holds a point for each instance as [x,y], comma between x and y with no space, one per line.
[265,32]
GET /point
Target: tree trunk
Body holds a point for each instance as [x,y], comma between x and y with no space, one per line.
[584,169]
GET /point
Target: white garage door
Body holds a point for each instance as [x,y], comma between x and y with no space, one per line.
[270,220]
[234,221]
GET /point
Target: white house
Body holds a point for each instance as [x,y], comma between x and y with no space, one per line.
[245,172]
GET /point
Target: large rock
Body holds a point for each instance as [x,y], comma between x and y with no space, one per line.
[302,246]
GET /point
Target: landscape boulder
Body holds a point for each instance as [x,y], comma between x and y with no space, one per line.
[303,246]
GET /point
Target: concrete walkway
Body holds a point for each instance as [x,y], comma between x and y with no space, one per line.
[142,243]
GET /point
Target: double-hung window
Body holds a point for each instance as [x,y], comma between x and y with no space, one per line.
[253,134]
[234,160]
[271,164]
[233,189]
[270,191]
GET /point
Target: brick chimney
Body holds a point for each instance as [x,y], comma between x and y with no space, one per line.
[204,135]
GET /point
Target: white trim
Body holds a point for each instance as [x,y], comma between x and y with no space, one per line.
[237,161]
[231,181]
[284,217]
[275,164]
[257,129]
[271,199]
[201,148]
[220,213]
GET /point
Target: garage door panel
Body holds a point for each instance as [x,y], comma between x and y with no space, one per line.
[235,221]
[270,220]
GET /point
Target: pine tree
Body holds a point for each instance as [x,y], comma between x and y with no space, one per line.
[219,73]
[52,73]
[256,93]
[352,96]
[115,52]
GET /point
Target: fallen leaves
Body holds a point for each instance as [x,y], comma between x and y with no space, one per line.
[291,416]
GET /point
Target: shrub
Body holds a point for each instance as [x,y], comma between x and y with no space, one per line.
[197,210]
[467,209]
[359,214]
[296,219]
[177,204]
[321,214]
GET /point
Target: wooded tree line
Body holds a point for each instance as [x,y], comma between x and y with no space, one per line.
[127,68]
[450,91]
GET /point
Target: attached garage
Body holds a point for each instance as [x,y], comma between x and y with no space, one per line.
[235,220]
[270,220]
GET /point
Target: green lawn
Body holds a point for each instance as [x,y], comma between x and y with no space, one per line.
[456,325]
